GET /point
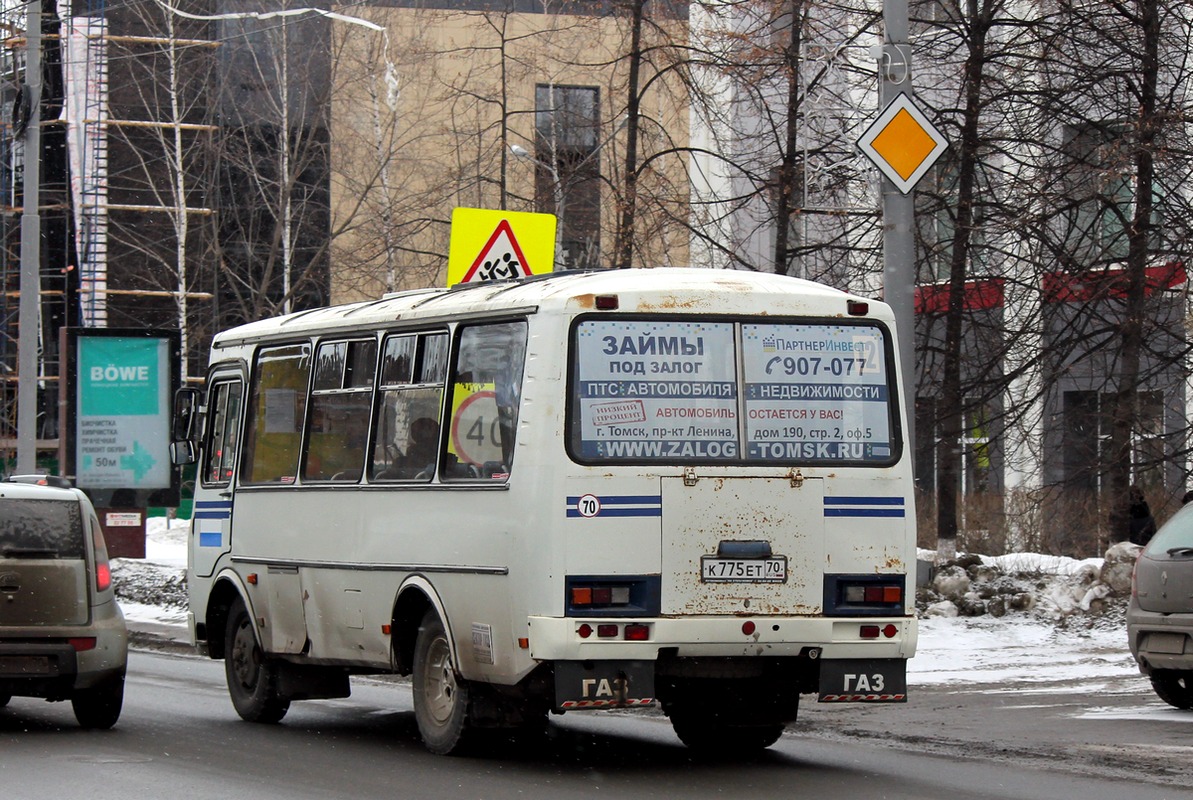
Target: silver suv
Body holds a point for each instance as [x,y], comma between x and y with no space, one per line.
[62,635]
[1160,615]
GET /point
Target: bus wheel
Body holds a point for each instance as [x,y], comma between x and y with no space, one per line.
[440,698]
[252,678]
[720,738]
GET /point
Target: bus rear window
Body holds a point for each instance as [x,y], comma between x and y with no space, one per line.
[647,390]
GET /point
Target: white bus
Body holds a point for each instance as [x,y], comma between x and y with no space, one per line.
[679,487]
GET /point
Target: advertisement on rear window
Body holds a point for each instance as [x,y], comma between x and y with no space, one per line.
[816,393]
[657,390]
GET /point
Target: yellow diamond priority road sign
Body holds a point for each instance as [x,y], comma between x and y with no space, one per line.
[902,143]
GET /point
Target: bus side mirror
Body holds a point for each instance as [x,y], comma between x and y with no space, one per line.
[182,453]
[182,432]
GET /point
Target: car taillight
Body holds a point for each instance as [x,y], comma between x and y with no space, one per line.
[81,643]
[103,572]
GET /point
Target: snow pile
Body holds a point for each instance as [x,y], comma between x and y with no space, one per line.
[1052,587]
[153,589]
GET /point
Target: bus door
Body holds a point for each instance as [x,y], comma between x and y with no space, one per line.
[743,545]
[211,531]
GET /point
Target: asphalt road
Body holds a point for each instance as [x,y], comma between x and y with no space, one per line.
[179,738]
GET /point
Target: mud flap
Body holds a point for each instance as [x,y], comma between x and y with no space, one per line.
[603,684]
[863,680]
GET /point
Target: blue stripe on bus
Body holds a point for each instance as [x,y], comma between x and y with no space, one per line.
[627,505]
[212,509]
[863,512]
[623,500]
[864,507]
[622,512]
[213,539]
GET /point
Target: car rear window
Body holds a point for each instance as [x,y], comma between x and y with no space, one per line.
[1176,533]
[40,529]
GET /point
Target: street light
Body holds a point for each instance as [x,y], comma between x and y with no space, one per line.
[557,189]
[521,152]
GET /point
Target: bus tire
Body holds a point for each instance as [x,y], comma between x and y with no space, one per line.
[716,738]
[252,678]
[440,697]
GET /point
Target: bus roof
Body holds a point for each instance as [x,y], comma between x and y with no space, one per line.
[662,289]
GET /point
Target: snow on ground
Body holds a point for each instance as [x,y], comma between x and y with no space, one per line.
[1054,641]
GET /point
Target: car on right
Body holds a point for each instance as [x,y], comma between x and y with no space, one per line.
[1160,614]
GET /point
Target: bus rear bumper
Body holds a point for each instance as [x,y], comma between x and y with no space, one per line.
[579,639]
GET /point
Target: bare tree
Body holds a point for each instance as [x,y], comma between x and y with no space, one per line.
[1118,78]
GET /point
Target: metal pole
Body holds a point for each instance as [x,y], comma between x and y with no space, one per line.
[898,210]
[30,305]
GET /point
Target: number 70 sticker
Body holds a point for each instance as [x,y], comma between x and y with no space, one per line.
[588,505]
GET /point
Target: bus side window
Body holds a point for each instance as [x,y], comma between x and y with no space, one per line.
[277,407]
[220,448]
[340,399]
[486,388]
[406,436]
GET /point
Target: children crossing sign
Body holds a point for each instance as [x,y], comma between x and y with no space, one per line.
[491,245]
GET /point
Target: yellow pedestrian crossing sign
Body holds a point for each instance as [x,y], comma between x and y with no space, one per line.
[903,143]
[491,245]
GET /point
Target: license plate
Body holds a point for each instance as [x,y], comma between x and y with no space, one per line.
[1171,643]
[24,665]
[743,570]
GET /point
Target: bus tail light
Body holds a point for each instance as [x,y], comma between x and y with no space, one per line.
[608,595]
[637,633]
[600,595]
[890,631]
[864,595]
[873,595]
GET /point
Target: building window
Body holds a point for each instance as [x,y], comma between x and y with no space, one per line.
[937,205]
[975,445]
[1098,181]
[568,169]
[1088,420]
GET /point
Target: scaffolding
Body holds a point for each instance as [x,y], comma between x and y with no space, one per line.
[74,286]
